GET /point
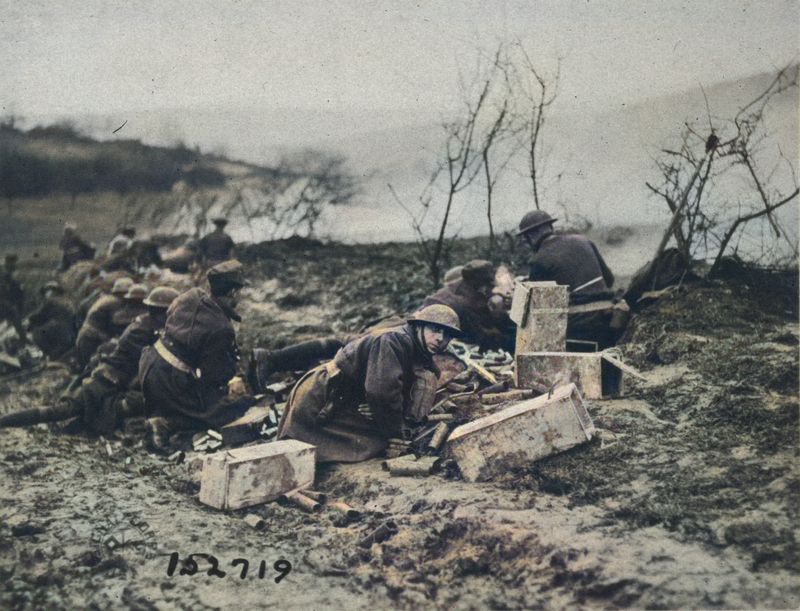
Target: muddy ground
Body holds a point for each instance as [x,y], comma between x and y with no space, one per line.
[688,497]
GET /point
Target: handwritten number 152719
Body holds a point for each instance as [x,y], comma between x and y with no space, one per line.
[190,567]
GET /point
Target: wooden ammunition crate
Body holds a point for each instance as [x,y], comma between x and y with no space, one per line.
[520,434]
[242,477]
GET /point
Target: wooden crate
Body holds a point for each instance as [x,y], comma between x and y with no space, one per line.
[597,375]
[242,477]
[540,311]
[521,434]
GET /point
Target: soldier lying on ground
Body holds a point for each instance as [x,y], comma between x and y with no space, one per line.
[574,260]
[468,289]
[52,324]
[389,370]
[12,297]
[185,374]
[469,297]
[99,325]
[112,393]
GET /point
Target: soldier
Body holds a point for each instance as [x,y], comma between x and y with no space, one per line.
[99,325]
[73,248]
[52,324]
[122,241]
[216,246]
[185,374]
[469,297]
[113,392]
[132,306]
[574,260]
[384,369]
[183,259]
[12,297]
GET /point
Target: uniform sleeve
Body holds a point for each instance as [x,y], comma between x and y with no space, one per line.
[383,385]
[539,271]
[219,357]
[97,317]
[40,316]
[607,275]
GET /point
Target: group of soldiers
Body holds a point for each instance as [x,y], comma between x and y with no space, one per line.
[171,356]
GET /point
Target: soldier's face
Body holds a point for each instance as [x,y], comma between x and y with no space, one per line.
[436,339]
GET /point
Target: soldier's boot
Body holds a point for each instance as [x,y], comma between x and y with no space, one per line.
[297,357]
[157,432]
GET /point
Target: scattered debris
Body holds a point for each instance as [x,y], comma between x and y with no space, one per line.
[379,535]
[248,427]
[439,435]
[320,497]
[255,521]
[344,508]
[302,501]
[408,465]
[440,417]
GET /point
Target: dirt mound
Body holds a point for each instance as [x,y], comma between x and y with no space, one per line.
[687,497]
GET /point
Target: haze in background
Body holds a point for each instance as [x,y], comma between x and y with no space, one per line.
[373,79]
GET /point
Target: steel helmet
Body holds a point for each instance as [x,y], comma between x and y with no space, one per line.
[121,286]
[52,285]
[534,219]
[161,297]
[137,292]
[453,274]
[439,315]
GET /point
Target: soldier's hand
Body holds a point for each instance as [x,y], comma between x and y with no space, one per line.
[237,387]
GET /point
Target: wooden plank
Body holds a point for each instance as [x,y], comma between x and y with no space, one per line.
[518,435]
[243,477]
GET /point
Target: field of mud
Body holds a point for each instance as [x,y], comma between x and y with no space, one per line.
[688,497]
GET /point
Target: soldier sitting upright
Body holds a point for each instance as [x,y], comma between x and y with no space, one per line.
[217,246]
[52,324]
[573,260]
[185,374]
[99,326]
[12,297]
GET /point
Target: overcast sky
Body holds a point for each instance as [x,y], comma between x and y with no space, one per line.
[90,56]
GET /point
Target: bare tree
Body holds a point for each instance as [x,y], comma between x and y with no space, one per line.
[293,195]
[471,140]
[700,180]
[499,145]
[534,94]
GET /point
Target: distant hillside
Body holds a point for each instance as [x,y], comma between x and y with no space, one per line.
[597,165]
[57,159]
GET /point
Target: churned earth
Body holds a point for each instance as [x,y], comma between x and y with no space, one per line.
[687,498]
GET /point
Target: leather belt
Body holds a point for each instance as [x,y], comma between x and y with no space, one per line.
[173,360]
